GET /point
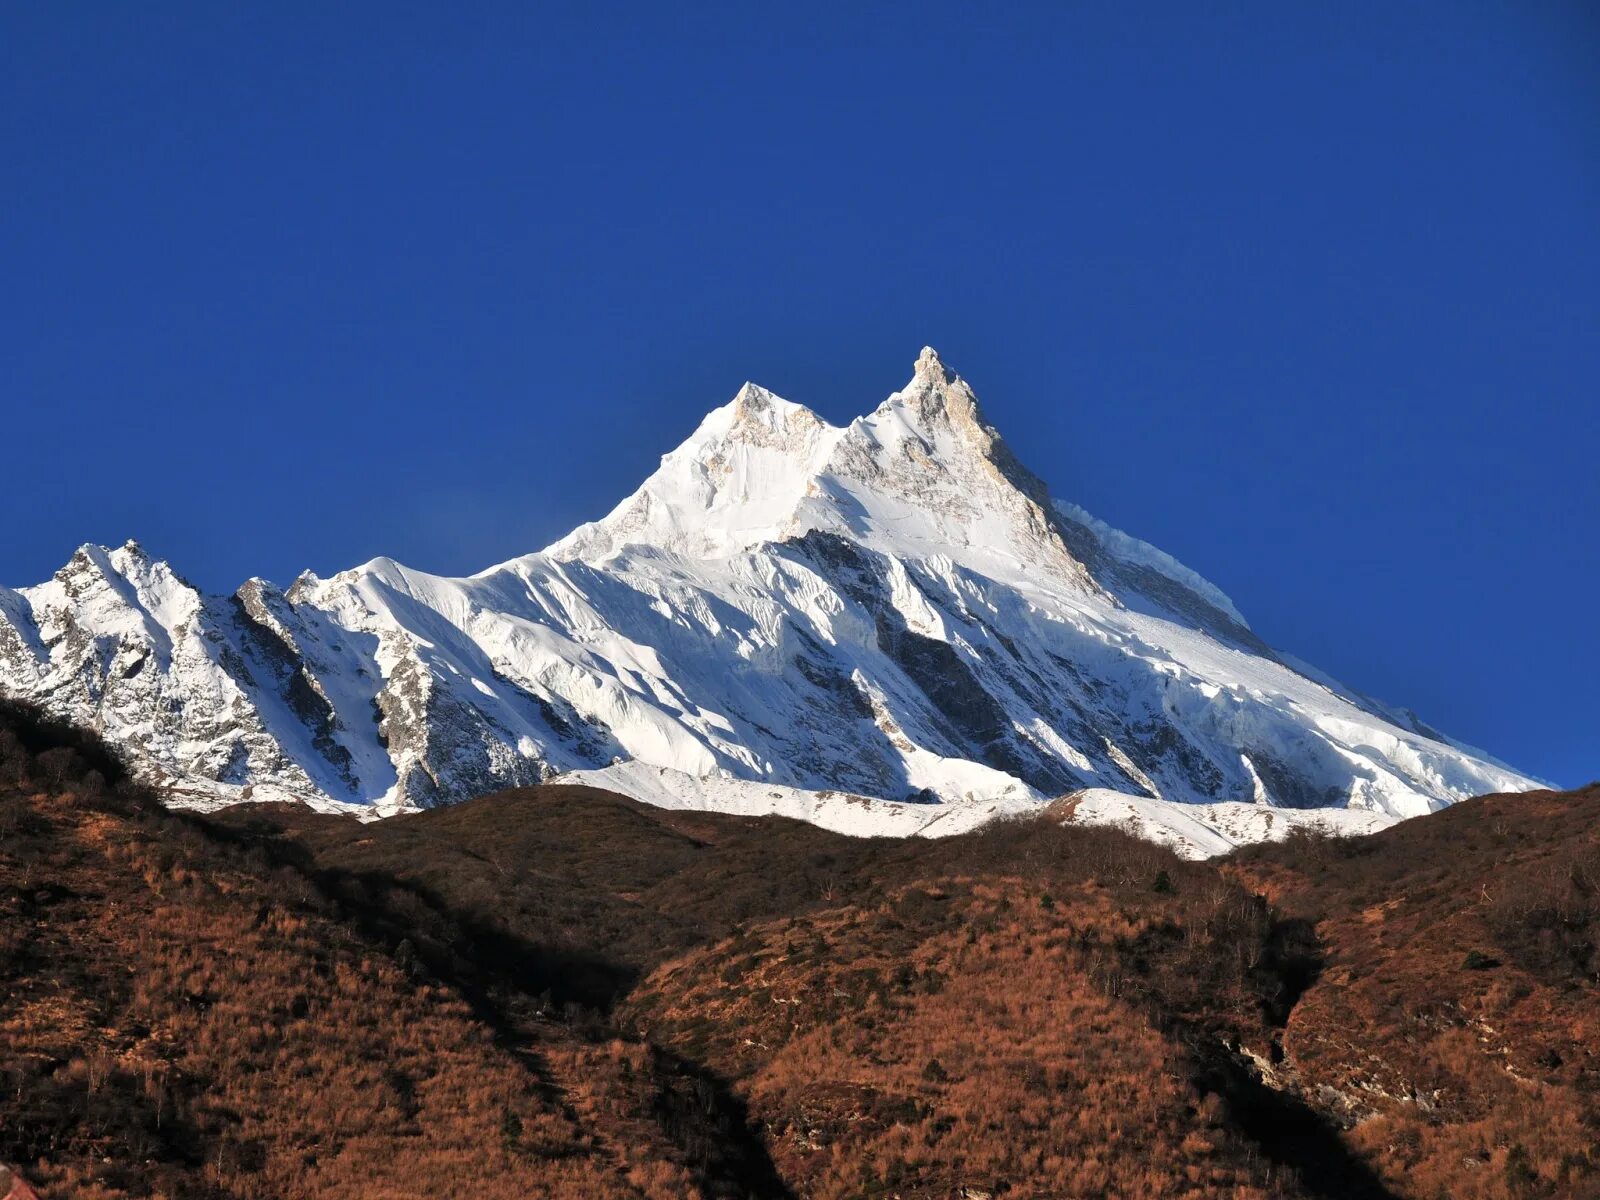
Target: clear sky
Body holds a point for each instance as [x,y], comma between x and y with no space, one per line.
[1307,295]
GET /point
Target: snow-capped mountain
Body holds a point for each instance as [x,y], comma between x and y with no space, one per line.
[890,627]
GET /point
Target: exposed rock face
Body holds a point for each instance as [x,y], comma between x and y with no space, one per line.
[889,627]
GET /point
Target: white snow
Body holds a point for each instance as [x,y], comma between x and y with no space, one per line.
[1131,549]
[881,628]
[1206,830]
[841,812]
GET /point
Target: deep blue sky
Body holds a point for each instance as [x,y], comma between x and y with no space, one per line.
[1311,300]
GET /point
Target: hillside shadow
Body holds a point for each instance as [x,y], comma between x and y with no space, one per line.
[511,982]
[1289,1133]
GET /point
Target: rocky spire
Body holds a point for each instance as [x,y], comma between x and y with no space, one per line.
[931,367]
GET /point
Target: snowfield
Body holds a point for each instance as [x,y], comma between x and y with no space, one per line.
[886,628]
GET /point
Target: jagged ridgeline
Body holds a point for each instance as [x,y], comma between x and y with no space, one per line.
[890,627]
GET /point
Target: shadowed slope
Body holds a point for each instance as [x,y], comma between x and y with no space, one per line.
[1456,1023]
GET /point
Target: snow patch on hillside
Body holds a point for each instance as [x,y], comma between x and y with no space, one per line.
[1207,830]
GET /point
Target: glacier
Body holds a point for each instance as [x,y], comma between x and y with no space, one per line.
[890,627]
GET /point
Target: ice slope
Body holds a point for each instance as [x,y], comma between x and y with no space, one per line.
[890,627]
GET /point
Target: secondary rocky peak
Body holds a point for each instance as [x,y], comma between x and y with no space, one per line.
[760,415]
[750,401]
[734,483]
[91,570]
[127,561]
[133,562]
[89,556]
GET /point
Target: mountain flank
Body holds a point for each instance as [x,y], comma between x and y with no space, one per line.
[887,628]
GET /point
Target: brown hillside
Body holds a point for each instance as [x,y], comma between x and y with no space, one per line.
[561,992]
[187,1015]
[1173,961]
[1455,1026]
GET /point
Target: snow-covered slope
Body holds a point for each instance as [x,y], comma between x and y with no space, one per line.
[890,627]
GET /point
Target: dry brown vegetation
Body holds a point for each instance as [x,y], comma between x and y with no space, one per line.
[972,1035]
[1455,1028]
[559,992]
[187,1015]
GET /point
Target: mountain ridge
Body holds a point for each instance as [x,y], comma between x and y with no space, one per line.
[889,626]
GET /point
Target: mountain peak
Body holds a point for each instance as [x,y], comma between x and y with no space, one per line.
[922,474]
[940,409]
[786,616]
[92,560]
[931,367]
[755,411]
[734,483]
[937,396]
[751,397]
